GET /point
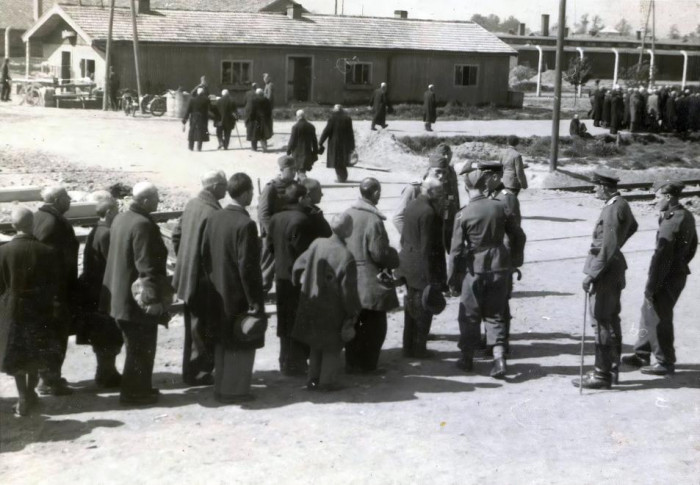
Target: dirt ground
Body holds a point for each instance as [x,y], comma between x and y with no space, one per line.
[421,421]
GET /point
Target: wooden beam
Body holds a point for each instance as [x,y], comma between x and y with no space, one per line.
[27,193]
[106,100]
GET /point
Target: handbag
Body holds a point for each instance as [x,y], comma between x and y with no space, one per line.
[248,327]
[353,159]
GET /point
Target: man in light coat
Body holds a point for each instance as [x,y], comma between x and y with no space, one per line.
[513,167]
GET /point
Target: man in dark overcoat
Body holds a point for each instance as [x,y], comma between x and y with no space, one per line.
[607,99]
[670,112]
[616,111]
[598,99]
[303,144]
[480,265]
[137,251]
[52,228]
[203,85]
[422,264]
[28,285]
[320,225]
[248,101]
[190,282]
[198,112]
[290,234]
[259,121]
[5,81]
[605,268]
[369,245]
[341,142]
[429,107]
[102,331]
[231,263]
[676,245]
[380,105]
[226,108]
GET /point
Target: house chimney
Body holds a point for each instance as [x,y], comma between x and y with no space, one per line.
[639,35]
[38,9]
[521,29]
[545,25]
[400,14]
[294,11]
[143,6]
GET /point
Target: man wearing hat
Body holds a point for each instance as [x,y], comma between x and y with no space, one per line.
[422,264]
[676,243]
[270,202]
[513,167]
[429,108]
[605,278]
[480,265]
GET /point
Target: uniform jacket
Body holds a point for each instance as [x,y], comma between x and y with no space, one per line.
[369,245]
[226,108]
[676,244]
[614,227]
[271,201]
[513,170]
[28,285]
[290,234]
[303,145]
[341,139]
[187,242]
[94,264]
[422,256]
[136,250]
[429,107]
[327,275]
[231,262]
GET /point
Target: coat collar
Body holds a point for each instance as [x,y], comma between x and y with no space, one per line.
[27,237]
[363,205]
[613,199]
[236,208]
[208,199]
[51,209]
[134,207]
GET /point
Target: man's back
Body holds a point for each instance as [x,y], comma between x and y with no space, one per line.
[290,233]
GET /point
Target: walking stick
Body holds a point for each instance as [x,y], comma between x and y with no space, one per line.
[583,339]
[240,143]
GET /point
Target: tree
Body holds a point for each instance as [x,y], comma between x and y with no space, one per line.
[623,27]
[580,71]
[511,23]
[582,25]
[493,23]
[596,25]
[674,33]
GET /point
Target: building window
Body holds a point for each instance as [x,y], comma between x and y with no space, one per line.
[236,73]
[359,74]
[466,75]
[87,68]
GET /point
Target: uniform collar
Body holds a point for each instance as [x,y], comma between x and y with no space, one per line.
[613,199]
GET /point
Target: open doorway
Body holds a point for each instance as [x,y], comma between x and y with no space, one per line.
[299,78]
[65,67]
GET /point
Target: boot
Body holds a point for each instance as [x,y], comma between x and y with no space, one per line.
[659,369]
[635,360]
[107,376]
[498,371]
[594,380]
[465,363]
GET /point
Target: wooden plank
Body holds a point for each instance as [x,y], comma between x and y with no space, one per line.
[630,186]
[26,193]
[81,209]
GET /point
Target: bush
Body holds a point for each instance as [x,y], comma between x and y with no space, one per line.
[520,73]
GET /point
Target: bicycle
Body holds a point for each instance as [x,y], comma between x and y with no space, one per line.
[154,104]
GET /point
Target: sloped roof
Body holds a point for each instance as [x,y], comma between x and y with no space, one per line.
[199,5]
[275,29]
[16,14]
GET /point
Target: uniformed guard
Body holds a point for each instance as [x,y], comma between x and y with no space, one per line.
[479,265]
[676,243]
[605,278]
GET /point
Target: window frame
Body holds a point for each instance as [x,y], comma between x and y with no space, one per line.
[229,83]
[370,74]
[462,85]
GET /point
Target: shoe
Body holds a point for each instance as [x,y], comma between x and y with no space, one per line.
[203,380]
[312,385]
[235,399]
[634,360]
[373,129]
[58,389]
[385,126]
[659,369]
[110,381]
[498,371]
[141,399]
[615,376]
[465,364]
[21,408]
[593,380]
[423,354]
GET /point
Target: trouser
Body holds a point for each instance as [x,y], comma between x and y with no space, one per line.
[107,341]
[604,306]
[428,126]
[508,317]
[363,351]
[417,322]
[141,340]
[656,334]
[341,173]
[6,89]
[267,264]
[224,136]
[293,354]
[191,144]
[324,365]
[51,375]
[484,298]
[234,371]
[198,355]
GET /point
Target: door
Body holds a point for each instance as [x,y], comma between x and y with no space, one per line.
[65,67]
[299,78]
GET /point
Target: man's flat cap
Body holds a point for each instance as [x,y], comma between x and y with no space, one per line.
[467,167]
[668,186]
[486,166]
[285,161]
[438,160]
[604,177]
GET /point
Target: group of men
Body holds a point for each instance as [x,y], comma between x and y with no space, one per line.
[380,105]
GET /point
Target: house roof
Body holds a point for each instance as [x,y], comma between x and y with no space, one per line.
[243,28]
[199,5]
[18,15]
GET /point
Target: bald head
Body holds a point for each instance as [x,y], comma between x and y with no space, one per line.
[313,187]
[215,183]
[371,189]
[106,205]
[22,220]
[337,107]
[341,225]
[57,195]
[146,196]
[259,92]
[301,115]
[432,187]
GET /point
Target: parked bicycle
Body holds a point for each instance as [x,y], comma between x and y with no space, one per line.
[154,104]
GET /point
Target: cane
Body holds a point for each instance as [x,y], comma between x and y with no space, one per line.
[240,143]
[583,339]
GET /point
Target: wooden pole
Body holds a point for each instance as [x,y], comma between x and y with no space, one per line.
[653,42]
[556,114]
[106,99]
[136,51]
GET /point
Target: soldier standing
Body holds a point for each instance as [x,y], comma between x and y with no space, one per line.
[605,279]
[676,243]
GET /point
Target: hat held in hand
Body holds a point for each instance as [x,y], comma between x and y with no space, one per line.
[433,300]
[151,292]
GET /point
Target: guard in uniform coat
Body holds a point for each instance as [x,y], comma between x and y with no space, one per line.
[429,108]
[605,279]
[226,108]
[303,144]
[52,228]
[380,106]
[676,244]
[480,265]
[190,282]
[513,166]
[341,142]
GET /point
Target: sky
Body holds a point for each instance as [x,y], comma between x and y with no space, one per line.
[683,13]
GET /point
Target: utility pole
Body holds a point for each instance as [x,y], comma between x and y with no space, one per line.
[336,7]
[106,99]
[653,41]
[136,51]
[556,114]
[644,38]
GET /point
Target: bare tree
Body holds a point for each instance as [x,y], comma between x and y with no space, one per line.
[579,73]
[596,25]
[623,27]
[674,33]
[582,25]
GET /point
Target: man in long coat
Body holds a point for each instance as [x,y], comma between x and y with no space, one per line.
[303,144]
[190,282]
[676,245]
[369,245]
[429,108]
[513,167]
[137,251]
[198,111]
[290,234]
[52,228]
[28,284]
[226,108]
[341,142]
[259,121]
[616,111]
[320,225]
[328,303]
[269,90]
[5,81]
[380,106]
[605,269]
[231,262]
[598,99]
